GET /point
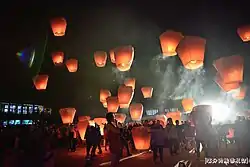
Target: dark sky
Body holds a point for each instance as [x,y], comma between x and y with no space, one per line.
[103,26]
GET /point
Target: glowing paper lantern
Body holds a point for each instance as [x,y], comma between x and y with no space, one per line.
[82,127]
[136,111]
[191,51]
[112,56]
[120,117]
[169,41]
[58,26]
[224,86]
[124,105]
[67,115]
[57,57]
[141,137]
[125,95]
[101,122]
[72,65]
[91,123]
[83,118]
[230,68]
[112,104]
[104,94]
[174,115]
[240,94]
[147,92]
[130,82]
[163,119]
[100,58]
[244,33]
[187,104]
[40,81]
[124,57]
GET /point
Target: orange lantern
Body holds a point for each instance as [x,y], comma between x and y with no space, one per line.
[100,58]
[230,68]
[240,94]
[120,117]
[147,92]
[125,94]
[67,115]
[188,104]
[124,57]
[224,86]
[57,57]
[91,123]
[124,105]
[72,65]
[83,118]
[112,104]
[136,111]
[82,127]
[112,56]
[41,81]
[191,51]
[58,26]
[101,122]
[169,41]
[244,33]
[141,137]
[174,115]
[130,82]
[163,119]
[104,94]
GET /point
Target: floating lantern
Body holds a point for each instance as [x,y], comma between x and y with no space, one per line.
[101,122]
[230,68]
[57,58]
[130,82]
[244,33]
[136,111]
[169,41]
[188,104]
[191,51]
[40,81]
[124,105]
[120,117]
[112,104]
[125,94]
[112,56]
[104,94]
[163,119]
[100,58]
[72,65]
[67,115]
[83,118]
[141,137]
[240,94]
[124,57]
[82,127]
[176,115]
[224,86]
[58,26]
[147,92]
[91,123]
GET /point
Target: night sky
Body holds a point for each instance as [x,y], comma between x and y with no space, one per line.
[103,26]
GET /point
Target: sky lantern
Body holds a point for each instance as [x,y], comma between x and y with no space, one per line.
[112,104]
[227,87]
[82,127]
[91,122]
[125,105]
[120,117]
[112,56]
[104,94]
[169,41]
[136,111]
[58,26]
[163,119]
[147,91]
[244,33]
[191,51]
[125,94]
[41,81]
[124,57]
[176,115]
[67,115]
[72,65]
[83,118]
[100,58]
[57,58]
[240,93]
[101,122]
[188,104]
[230,68]
[130,82]
[141,137]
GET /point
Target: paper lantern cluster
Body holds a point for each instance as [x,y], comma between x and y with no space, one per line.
[188,104]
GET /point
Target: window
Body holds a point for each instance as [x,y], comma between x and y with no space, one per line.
[152,111]
[11,122]
[17,122]
[19,109]
[6,110]
[25,110]
[30,109]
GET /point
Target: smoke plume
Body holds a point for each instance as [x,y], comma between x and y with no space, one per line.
[119,75]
